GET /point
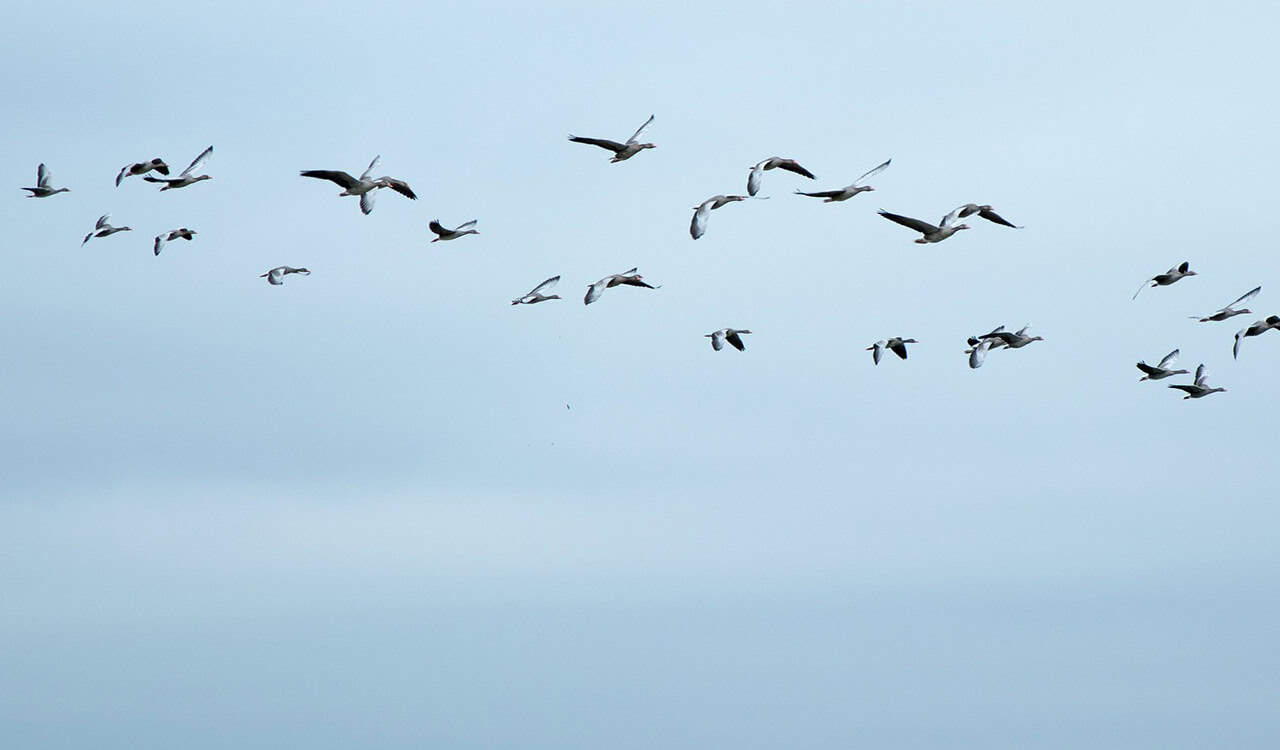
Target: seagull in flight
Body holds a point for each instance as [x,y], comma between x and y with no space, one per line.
[850,190]
[732,335]
[1230,310]
[773,162]
[365,186]
[185,177]
[931,232]
[461,230]
[42,189]
[104,229]
[142,167]
[275,277]
[536,295]
[1161,370]
[1198,389]
[897,345]
[1168,277]
[621,151]
[628,278]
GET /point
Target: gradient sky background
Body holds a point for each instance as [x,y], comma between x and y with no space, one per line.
[354,510]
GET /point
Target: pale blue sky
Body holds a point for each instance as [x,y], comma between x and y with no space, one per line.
[353,510]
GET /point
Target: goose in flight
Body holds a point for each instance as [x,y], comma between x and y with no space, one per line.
[621,151]
[1230,310]
[848,191]
[897,345]
[773,162]
[452,234]
[142,167]
[1257,329]
[1015,340]
[931,232]
[175,234]
[628,278]
[536,295]
[365,186]
[984,211]
[1198,389]
[185,177]
[42,189]
[103,229]
[1168,277]
[702,212]
[732,335]
[275,277]
[1161,370]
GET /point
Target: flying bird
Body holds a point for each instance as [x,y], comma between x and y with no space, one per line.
[850,190]
[628,278]
[176,234]
[1230,310]
[932,232]
[536,295]
[1015,340]
[1161,370]
[142,167]
[185,177]
[452,234]
[42,189]
[1198,389]
[1257,329]
[275,277]
[897,345]
[1167,278]
[732,335]
[365,186]
[103,229]
[984,211]
[773,162]
[621,151]
[702,212]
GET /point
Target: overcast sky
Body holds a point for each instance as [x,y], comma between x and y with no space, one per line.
[379,506]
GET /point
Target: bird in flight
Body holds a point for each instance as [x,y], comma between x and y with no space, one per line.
[850,190]
[732,335]
[185,177]
[621,151]
[931,232]
[142,167]
[363,186]
[104,229]
[897,345]
[1168,277]
[536,295]
[461,230]
[773,162]
[1230,310]
[275,277]
[1198,389]
[176,234]
[42,189]
[1160,371]
[628,278]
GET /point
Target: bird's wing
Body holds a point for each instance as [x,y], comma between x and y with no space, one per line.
[978,354]
[906,221]
[161,167]
[717,340]
[821,193]
[467,225]
[636,134]
[435,226]
[545,286]
[1168,359]
[595,290]
[334,176]
[698,226]
[870,172]
[613,146]
[1186,388]
[791,166]
[366,202]
[990,215]
[951,218]
[876,350]
[1235,348]
[1144,286]
[42,176]
[372,165]
[400,186]
[1200,375]
[899,349]
[1183,266]
[102,221]
[120,176]
[196,162]
[753,180]
[733,338]
[1148,369]
[1246,296]
[158,244]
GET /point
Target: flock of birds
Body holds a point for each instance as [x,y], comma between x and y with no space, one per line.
[366,187]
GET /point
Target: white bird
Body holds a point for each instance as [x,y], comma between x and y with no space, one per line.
[897,345]
[1161,370]
[1167,278]
[850,190]
[536,295]
[175,234]
[185,177]
[984,211]
[42,189]
[621,151]
[452,234]
[365,186]
[1198,389]
[275,277]
[773,162]
[932,232]
[142,167]
[103,229]
[628,278]
[1257,329]
[702,212]
[1230,310]
[732,335]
